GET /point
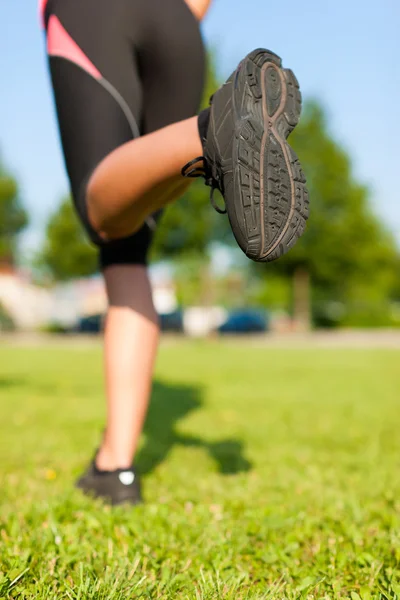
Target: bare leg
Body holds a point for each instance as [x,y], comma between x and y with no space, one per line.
[160,196]
[138,177]
[131,340]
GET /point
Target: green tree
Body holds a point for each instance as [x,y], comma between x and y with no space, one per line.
[13,217]
[345,247]
[66,253]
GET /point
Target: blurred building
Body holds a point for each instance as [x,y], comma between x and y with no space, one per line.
[28,305]
[200,321]
[76,299]
[32,307]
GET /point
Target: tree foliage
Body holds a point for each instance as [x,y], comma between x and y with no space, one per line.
[13,217]
[66,253]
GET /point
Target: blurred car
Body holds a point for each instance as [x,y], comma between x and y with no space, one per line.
[171,322]
[90,324]
[245,321]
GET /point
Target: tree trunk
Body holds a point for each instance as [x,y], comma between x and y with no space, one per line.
[301,300]
[7,265]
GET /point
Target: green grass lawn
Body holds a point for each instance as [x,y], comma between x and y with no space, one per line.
[268,473]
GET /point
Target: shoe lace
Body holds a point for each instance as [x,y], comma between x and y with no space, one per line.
[199,167]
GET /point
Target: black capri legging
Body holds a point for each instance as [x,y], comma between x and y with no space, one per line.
[119,69]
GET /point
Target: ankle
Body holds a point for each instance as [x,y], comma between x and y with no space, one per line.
[109,460]
[202,123]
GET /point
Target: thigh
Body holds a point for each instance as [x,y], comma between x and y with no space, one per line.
[172,64]
[96,85]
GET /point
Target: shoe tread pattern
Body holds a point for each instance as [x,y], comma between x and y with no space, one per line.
[285,194]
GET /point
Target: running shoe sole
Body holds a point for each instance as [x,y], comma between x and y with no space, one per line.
[274,205]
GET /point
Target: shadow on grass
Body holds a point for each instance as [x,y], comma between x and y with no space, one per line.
[168,405]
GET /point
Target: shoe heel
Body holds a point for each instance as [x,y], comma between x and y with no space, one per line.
[254,63]
[292,109]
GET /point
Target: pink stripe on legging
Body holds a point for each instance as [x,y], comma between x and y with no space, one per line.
[42,8]
[60,43]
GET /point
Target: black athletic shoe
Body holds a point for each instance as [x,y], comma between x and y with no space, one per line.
[116,487]
[247,158]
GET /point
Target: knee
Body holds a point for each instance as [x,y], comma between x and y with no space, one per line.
[103,208]
[95,204]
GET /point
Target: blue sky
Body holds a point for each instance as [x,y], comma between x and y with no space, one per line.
[344,52]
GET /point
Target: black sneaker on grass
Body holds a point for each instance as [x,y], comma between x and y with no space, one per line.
[115,487]
[247,157]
